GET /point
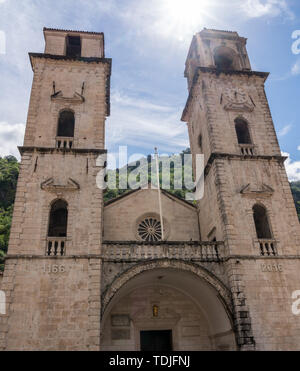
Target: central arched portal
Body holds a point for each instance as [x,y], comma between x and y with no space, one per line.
[160,307]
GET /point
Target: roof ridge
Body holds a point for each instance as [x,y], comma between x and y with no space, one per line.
[214,29]
[77,31]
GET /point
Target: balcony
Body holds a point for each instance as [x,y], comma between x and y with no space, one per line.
[56,246]
[247,149]
[64,142]
[267,247]
[139,251]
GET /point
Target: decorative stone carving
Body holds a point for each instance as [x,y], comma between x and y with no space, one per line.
[50,186]
[253,191]
[236,99]
[150,220]
[76,99]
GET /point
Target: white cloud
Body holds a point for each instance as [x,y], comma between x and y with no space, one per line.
[298,148]
[292,168]
[178,20]
[11,136]
[286,129]
[270,8]
[127,101]
[143,124]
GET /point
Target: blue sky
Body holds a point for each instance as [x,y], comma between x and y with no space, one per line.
[148,41]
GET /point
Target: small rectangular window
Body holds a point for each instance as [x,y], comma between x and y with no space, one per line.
[73,46]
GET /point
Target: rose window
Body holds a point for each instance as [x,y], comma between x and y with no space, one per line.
[150,230]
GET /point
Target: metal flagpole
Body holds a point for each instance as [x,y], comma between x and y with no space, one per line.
[159,195]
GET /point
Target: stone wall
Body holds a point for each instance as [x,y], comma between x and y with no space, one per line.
[43,113]
[269,284]
[121,217]
[92,45]
[53,304]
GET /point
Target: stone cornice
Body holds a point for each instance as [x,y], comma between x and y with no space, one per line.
[68,58]
[23,149]
[231,156]
[98,256]
[72,31]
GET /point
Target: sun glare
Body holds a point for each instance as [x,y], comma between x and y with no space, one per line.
[185,9]
[185,16]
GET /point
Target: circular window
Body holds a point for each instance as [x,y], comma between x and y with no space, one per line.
[149,230]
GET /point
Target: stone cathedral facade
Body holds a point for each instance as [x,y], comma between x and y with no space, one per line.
[84,275]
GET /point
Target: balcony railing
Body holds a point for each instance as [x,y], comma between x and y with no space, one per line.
[135,251]
[267,247]
[56,246]
[247,149]
[64,142]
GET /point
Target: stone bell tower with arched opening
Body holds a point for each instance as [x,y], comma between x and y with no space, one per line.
[247,200]
[52,272]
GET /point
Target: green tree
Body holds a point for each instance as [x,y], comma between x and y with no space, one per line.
[9,171]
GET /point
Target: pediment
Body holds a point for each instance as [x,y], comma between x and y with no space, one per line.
[51,185]
[257,190]
[76,98]
[235,106]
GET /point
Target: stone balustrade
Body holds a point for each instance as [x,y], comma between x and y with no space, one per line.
[247,149]
[137,251]
[64,142]
[56,246]
[267,247]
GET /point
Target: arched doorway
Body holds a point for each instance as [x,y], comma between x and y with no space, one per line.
[166,306]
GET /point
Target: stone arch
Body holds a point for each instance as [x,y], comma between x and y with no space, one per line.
[242,130]
[226,58]
[202,273]
[58,218]
[262,221]
[187,295]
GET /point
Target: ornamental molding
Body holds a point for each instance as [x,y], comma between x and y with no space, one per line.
[262,190]
[237,99]
[50,185]
[153,216]
[59,98]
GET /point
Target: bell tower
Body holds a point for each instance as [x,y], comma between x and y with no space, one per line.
[52,273]
[247,199]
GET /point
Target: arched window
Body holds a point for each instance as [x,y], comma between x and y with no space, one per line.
[225,58]
[66,124]
[261,222]
[58,219]
[242,132]
[200,142]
